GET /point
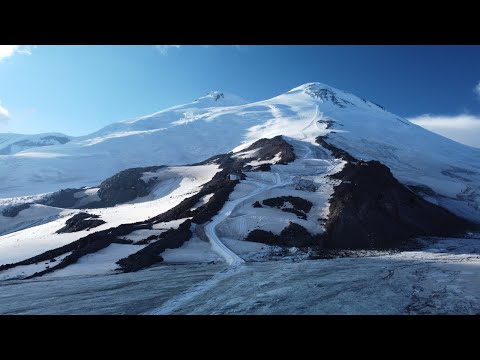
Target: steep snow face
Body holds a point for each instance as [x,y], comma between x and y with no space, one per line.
[447,172]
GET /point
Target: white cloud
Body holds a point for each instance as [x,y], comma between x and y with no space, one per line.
[163,49]
[10,50]
[463,128]
[4,115]
[476,90]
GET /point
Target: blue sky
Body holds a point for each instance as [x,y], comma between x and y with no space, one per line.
[79,89]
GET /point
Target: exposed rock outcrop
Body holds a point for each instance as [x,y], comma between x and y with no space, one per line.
[267,149]
[300,207]
[338,153]
[81,221]
[127,185]
[63,199]
[149,255]
[297,203]
[86,245]
[371,209]
[291,235]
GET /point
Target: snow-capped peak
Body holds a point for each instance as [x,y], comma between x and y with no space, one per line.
[326,93]
[219,99]
[306,86]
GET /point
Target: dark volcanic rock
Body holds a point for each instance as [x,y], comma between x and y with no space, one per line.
[170,239]
[297,203]
[371,209]
[297,235]
[292,235]
[84,246]
[125,186]
[62,199]
[328,123]
[268,148]
[262,236]
[80,221]
[263,167]
[327,95]
[338,153]
[14,210]
[257,204]
[300,206]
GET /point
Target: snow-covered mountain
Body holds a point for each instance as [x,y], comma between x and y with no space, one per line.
[294,170]
[193,132]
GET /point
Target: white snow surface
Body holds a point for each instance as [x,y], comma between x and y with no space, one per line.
[36,214]
[102,261]
[11,143]
[194,250]
[441,279]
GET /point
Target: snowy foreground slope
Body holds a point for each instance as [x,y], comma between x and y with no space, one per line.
[219,182]
[442,279]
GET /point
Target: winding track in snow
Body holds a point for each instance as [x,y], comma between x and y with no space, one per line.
[217,245]
[233,260]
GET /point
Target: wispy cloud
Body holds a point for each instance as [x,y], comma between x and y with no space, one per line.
[4,115]
[163,49]
[10,50]
[463,128]
[476,90]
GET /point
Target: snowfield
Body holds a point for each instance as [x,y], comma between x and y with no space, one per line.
[179,183]
[442,279]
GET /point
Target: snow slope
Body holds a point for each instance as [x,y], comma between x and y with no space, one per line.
[442,279]
[13,143]
[32,241]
